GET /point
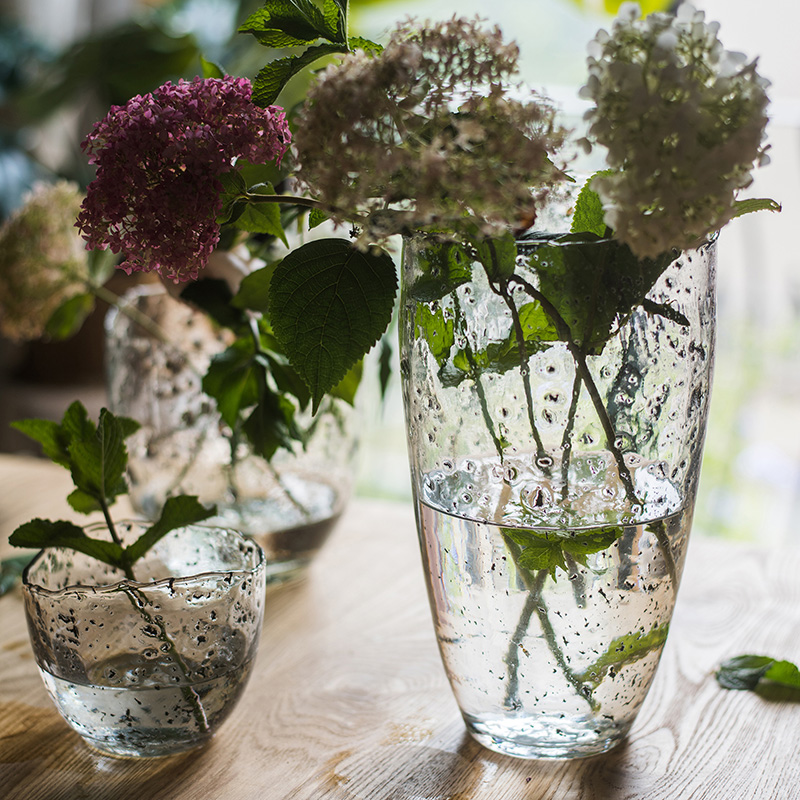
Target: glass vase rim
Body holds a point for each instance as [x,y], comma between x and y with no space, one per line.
[121,585]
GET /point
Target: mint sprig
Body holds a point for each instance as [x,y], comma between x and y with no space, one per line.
[97,459]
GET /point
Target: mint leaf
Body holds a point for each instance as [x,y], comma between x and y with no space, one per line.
[98,462]
[269,82]
[42,533]
[747,671]
[178,512]
[329,304]
[289,23]
[68,318]
[588,216]
[49,435]
[625,650]
[755,204]
[548,550]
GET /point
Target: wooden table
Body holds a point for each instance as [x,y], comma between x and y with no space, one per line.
[349,701]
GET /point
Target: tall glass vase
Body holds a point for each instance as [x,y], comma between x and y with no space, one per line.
[556,408]
[288,504]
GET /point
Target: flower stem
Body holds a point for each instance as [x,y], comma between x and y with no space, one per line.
[129,311]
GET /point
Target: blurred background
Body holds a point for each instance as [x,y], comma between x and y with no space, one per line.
[64,62]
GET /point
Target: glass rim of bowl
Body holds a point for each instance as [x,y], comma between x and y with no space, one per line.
[123,584]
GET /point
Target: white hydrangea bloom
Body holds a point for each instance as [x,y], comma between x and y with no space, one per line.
[683,121]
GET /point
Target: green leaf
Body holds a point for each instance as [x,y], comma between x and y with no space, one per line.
[747,671]
[41,533]
[68,318]
[625,650]
[594,284]
[83,503]
[548,550]
[444,267]
[271,424]
[283,374]
[665,310]
[316,217]
[274,76]
[348,386]
[335,15]
[368,46]
[99,462]
[176,513]
[330,303]
[11,570]
[755,204]
[261,217]
[588,216]
[384,366]
[210,69]
[438,332]
[288,23]
[233,380]
[253,291]
[101,265]
[213,295]
[498,256]
[234,196]
[49,435]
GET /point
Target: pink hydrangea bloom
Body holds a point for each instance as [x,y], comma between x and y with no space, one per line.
[157,192]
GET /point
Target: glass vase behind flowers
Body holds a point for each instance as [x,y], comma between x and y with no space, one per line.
[289,503]
[554,476]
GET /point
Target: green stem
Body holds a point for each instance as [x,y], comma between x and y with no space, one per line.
[566,439]
[130,312]
[579,357]
[287,199]
[125,565]
[524,369]
[139,601]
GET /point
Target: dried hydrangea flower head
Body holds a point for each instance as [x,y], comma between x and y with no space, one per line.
[427,135]
[683,121]
[159,157]
[43,261]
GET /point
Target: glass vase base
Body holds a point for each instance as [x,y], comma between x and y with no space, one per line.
[546,737]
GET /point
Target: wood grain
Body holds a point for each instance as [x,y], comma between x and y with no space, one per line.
[348,700]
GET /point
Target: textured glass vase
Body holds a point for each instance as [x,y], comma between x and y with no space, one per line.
[154,666]
[554,467]
[289,504]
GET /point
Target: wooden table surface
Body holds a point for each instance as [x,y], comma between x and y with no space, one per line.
[348,700]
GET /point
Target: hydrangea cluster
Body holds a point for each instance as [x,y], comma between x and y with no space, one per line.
[683,121]
[157,192]
[43,261]
[428,135]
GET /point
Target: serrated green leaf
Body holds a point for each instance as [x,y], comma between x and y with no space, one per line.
[316,217]
[589,214]
[210,69]
[288,23]
[274,76]
[335,15]
[69,317]
[177,512]
[49,435]
[271,424]
[41,533]
[347,387]
[625,650]
[330,303]
[369,47]
[755,204]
